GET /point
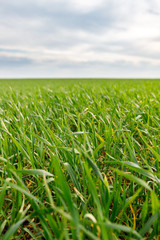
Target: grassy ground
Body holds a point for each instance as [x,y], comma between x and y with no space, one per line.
[79,159]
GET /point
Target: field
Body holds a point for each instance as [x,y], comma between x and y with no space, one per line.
[79,159]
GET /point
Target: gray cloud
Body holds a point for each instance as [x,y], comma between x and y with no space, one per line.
[11,62]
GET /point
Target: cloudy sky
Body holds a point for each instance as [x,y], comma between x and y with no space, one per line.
[80,38]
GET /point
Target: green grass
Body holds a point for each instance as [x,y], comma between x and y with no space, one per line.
[79,159]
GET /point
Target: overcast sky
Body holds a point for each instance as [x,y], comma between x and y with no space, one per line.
[80,38]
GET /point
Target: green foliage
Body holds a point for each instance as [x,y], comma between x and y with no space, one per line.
[79,159]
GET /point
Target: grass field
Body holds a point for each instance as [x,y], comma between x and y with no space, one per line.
[79,159]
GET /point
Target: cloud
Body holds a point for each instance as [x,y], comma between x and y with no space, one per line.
[12,62]
[68,37]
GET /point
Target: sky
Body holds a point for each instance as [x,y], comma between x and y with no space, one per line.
[80,38]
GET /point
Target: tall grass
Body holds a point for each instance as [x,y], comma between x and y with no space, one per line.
[80,160]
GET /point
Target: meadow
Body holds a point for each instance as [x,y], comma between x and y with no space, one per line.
[79,159]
